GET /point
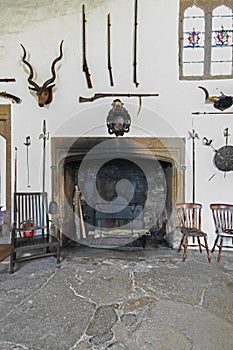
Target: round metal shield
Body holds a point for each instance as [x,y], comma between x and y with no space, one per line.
[223,158]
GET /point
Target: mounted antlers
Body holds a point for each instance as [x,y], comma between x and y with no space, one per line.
[44,92]
[221,102]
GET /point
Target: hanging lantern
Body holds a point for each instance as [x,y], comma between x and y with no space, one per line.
[118,119]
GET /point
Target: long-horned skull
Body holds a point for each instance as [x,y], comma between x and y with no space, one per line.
[221,102]
[44,92]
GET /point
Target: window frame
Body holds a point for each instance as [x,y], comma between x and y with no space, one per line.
[207,7]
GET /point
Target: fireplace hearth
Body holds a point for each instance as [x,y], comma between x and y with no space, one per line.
[127,186]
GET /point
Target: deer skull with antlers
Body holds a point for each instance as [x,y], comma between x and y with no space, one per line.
[44,92]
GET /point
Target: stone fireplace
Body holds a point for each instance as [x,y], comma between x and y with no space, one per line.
[148,173]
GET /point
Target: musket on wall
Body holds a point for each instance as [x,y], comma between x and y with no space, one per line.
[15,99]
[103,95]
[7,80]
[109,50]
[85,66]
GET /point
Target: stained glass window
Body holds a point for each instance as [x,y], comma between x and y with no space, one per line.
[221,57]
[193,41]
[206,40]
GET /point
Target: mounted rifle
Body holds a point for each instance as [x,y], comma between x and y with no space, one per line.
[85,66]
[109,51]
[7,80]
[103,95]
[135,43]
[12,97]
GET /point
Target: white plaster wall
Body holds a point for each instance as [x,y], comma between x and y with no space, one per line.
[40,26]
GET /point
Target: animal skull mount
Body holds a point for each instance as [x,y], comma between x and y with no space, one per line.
[221,102]
[44,92]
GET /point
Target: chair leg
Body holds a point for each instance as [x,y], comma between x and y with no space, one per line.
[215,242]
[220,250]
[12,264]
[58,254]
[181,243]
[185,248]
[144,241]
[199,243]
[207,249]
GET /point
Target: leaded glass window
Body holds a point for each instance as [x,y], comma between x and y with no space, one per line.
[221,58]
[205,39]
[193,41]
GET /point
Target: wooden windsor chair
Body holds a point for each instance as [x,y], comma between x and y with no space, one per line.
[223,221]
[189,215]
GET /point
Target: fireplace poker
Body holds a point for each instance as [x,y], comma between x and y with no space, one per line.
[27,143]
[53,203]
[78,209]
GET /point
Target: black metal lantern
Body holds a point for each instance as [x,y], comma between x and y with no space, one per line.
[118,119]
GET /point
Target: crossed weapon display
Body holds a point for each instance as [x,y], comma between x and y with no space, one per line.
[223,157]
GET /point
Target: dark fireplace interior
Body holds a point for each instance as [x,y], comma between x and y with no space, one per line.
[145,173]
[134,189]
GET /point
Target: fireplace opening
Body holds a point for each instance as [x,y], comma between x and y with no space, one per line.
[124,203]
[129,185]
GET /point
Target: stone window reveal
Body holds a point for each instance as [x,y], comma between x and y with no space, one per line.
[205,40]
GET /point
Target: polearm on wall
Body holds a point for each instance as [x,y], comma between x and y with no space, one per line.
[45,137]
[15,179]
[135,79]
[211,113]
[193,135]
